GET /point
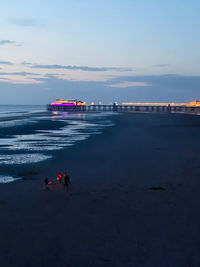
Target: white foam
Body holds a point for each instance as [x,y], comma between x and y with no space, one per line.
[23,158]
[16,122]
[77,128]
[4,179]
[47,140]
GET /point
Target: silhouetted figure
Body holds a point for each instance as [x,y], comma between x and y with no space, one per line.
[169,108]
[66,180]
[46,181]
[59,178]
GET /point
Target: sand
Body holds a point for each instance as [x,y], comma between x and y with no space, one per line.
[134,199]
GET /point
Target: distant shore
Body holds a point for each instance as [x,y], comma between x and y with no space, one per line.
[133,199]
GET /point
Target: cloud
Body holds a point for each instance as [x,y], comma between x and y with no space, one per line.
[83,68]
[5,42]
[128,84]
[24,22]
[6,63]
[22,73]
[6,79]
[26,63]
[160,65]
[54,75]
[164,88]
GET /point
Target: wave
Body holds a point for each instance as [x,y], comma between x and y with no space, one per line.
[24,136]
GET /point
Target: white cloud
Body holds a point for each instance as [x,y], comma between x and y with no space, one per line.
[129,84]
[24,22]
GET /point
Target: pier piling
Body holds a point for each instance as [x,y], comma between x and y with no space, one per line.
[125,108]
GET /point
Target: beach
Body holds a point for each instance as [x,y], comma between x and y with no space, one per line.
[133,199]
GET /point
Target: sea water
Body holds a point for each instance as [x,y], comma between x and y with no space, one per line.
[30,134]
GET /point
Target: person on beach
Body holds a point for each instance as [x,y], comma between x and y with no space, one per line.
[66,180]
[59,178]
[47,182]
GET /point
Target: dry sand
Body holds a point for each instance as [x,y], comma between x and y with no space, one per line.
[134,199]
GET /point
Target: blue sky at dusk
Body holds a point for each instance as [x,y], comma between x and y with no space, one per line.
[108,50]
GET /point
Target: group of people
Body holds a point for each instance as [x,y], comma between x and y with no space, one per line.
[59,178]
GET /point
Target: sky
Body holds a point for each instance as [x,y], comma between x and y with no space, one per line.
[102,51]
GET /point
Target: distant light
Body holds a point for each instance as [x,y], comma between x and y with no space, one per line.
[63,104]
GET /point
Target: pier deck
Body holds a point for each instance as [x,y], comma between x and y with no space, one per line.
[125,108]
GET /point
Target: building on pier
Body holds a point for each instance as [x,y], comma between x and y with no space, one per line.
[67,102]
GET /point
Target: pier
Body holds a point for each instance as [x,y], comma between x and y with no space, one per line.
[125,108]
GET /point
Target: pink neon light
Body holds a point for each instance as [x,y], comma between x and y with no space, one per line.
[68,104]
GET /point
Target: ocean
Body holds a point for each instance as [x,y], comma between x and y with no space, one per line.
[30,134]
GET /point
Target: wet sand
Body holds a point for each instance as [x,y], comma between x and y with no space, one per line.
[134,199]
